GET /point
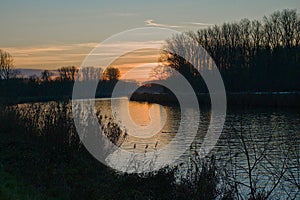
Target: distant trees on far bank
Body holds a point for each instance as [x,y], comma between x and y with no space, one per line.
[54,85]
[67,73]
[46,75]
[251,55]
[111,74]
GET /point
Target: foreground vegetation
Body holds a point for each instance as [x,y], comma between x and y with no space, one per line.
[47,161]
[42,158]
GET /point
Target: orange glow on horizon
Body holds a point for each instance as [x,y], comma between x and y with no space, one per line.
[52,57]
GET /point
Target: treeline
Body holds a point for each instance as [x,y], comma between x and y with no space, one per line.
[49,86]
[251,55]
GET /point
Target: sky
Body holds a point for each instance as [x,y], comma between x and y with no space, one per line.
[49,34]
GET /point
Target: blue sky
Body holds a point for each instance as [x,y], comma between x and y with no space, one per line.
[44,24]
[27,22]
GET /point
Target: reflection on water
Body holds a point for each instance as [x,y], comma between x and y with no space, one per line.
[139,113]
[270,136]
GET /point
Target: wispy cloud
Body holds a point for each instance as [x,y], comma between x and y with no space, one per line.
[53,56]
[29,50]
[89,44]
[50,56]
[198,24]
[151,22]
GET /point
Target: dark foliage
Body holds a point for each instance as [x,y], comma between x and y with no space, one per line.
[251,55]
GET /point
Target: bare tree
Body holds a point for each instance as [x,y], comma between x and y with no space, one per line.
[6,65]
[244,51]
[67,73]
[161,72]
[90,74]
[253,161]
[288,21]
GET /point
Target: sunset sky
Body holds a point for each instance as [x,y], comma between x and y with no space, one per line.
[50,34]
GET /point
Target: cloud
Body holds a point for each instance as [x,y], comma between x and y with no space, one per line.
[50,56]
[89,44]
[30,50]
[53,56]
[37,49]
[151,22]
[199,24]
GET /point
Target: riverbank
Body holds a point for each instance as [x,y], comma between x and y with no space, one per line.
[257,99]
[49,162]
[31,169]
[46,163]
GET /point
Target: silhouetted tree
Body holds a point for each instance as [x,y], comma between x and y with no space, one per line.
[6,66]
[90,74]
[111,74]
[33,78]
[67,73]
[160,72]
[46,75]
[251,55]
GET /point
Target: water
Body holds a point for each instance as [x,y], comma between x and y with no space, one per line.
[268,137]
[271,136]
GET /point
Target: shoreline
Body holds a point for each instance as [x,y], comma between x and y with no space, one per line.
[257,99]
[243,99]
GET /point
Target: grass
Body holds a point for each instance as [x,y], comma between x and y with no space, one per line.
[32,170]
[46,161]
[11,187]
[38,164]
[12,184]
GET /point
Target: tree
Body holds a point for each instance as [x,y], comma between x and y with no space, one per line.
[90,74]
[111,74]
[67,73]
[250,55]
[161,72]
[45,75]
[6,65]
[33,79]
